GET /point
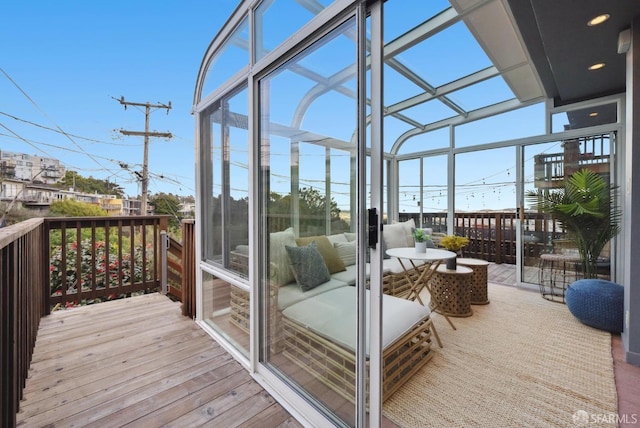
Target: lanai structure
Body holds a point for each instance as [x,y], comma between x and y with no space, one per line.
[332,127]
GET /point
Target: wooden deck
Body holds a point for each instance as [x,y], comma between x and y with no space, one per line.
[139,362]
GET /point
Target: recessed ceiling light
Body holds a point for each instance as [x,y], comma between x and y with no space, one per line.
[593,114]
[596,66]
[598,19]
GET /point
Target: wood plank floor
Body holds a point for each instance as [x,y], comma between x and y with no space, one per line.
[139,362]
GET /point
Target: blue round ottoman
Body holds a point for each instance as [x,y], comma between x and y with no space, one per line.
[597,303]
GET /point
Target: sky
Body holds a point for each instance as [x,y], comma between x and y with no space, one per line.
[65,64]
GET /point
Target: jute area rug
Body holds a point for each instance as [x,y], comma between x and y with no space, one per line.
[520,361]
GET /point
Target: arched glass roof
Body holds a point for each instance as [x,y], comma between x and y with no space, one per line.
[437,74]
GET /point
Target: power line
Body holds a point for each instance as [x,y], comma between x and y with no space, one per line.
[48,117]
[33,143]
[123,165]
[93,140]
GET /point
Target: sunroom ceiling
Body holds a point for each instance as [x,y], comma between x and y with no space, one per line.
[477,58]
[494,30]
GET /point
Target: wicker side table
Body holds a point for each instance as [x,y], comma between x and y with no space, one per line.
[556,272]
[479,293]
[450,288]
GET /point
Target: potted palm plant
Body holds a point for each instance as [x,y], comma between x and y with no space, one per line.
[586,208]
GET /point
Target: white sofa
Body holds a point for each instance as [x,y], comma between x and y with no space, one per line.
[315,326]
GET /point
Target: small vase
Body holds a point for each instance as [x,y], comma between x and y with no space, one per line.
[421,247]
[452,263]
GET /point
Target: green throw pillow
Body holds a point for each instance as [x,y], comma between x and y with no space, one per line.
[308,266]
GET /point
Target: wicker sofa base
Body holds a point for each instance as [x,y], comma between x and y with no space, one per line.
[239,314]
[396,284]
[334,366]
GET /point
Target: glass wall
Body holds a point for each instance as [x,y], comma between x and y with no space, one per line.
[546,167]
[308,324]
[441,113]
[225,235]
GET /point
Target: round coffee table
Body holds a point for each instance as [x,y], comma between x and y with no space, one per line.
[479,293]
[450,288]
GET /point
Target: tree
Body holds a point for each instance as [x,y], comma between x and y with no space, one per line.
[90,184]
[312,210]
[164,203]
[73,208]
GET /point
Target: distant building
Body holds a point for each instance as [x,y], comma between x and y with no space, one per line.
[131,206]
[187,209]
[38,169]
[40,197]
[10,188]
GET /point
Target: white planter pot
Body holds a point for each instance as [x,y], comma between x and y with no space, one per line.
[421,247]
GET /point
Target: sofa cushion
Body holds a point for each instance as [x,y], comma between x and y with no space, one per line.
[308,266]
[409,225]
[291,294]
[281,273]
[351,236]
[332,315]
[242,249]
[331,259]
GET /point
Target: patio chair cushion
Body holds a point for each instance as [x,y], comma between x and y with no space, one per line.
[597,303]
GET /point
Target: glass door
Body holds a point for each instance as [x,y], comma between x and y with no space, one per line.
[550,258]
[308,224]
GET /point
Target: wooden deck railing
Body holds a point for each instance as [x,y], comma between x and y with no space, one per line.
[102,258]
[181,268]
[52,262]
[492,235]
[23,302]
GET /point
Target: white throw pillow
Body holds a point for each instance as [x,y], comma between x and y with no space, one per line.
[351,236]
[409,226]
[278,256]
[338,237]
[394,235]
[347,252]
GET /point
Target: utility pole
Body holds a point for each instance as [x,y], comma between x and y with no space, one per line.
[146,134]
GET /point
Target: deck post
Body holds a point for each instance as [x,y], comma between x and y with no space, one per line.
[498,244]
[164,246]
